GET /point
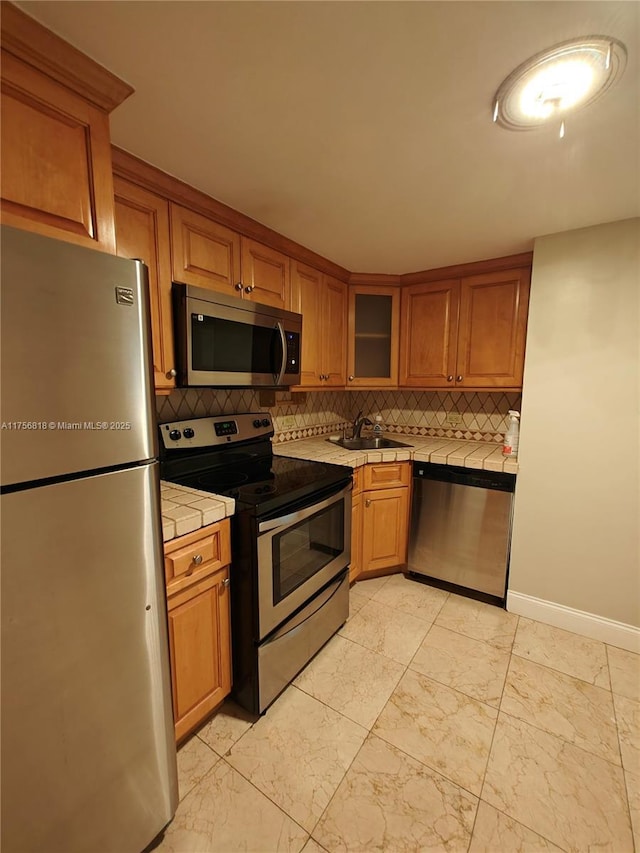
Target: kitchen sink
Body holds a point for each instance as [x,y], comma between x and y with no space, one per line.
[373,443]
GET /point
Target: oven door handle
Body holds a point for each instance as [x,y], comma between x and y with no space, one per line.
[279,376]
[294,517]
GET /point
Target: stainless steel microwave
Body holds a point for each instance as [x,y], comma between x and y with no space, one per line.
[230,342]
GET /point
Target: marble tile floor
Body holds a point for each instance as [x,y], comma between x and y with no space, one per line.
[429,722]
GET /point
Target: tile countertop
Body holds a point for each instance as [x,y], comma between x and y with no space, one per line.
[185,509]
[443,451]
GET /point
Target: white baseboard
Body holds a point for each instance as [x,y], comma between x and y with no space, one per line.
[588,624]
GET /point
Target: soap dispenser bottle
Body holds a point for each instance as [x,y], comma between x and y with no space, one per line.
[512,435]
[377,427]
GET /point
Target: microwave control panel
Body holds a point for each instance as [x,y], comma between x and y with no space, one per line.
[293,352]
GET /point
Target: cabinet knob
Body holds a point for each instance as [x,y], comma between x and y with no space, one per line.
[449,378]
[367,503]
[351,378]
[249,288]
[226,582]
[458,378]
[238,286]
[196,559]
[171,374]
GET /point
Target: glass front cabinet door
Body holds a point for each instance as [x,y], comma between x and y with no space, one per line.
[373,336]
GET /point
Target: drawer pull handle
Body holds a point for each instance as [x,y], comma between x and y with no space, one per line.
[367,503]
[458,378]
[249,288]
[450,378]
[171,374]
[226,582]
[238,285]
[197,559]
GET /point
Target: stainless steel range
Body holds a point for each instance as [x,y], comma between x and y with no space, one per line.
[291,536]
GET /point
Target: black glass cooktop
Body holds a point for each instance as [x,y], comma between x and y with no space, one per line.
[266,483]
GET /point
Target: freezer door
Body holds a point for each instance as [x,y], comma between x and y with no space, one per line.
[77,388]
[88,753]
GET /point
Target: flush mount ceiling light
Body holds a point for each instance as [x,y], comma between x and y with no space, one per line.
[557,81]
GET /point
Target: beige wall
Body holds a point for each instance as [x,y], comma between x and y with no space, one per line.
[577,509]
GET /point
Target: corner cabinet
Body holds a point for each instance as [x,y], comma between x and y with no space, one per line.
[372,350]
[211,255]
[142,231]
[380,530]
[465,333]
[56,155]
[322,301]
[198,602]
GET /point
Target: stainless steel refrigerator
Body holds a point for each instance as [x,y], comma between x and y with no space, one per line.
[87,751]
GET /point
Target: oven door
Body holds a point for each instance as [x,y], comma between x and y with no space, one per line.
[298,553]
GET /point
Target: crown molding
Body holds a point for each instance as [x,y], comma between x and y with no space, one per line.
[31,42]
[153,179]
[508,262]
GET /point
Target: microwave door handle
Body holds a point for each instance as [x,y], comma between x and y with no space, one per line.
[279,376]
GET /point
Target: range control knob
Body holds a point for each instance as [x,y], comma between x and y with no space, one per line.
[265,422]
[188,433]
[256,423]
[175,435]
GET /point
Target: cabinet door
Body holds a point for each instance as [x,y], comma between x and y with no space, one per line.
[492,329]
[334,335]
[142,231]
[56,160]
[204,253]
[384,528]
[429,331]
[307,299]
[356,537]
[372,348]
[265,274]
[200,650]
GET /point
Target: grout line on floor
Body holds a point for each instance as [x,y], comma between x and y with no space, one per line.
[262,793]
[561,672]
[560,738]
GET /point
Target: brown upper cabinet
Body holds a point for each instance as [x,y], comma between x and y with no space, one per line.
[211,255]
[373,339]
[322,301]
[465,333]
[56,155]
[142,231]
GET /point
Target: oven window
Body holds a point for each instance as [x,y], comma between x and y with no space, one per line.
[231,347]
[300,551]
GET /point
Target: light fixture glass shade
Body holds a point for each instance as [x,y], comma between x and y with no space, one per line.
[564,78]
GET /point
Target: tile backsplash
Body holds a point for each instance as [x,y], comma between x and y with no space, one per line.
[482,416]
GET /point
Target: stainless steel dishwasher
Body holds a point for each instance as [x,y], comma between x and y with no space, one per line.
[461,529]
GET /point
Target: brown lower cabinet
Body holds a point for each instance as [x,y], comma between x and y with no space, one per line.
[199,623]
[380,519]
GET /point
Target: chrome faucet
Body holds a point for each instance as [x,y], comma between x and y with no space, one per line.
[358,423]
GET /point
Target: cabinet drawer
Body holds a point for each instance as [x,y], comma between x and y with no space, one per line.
[357,481]
[386,475]
[196,555]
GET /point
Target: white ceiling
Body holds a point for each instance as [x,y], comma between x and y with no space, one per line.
[363,129]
